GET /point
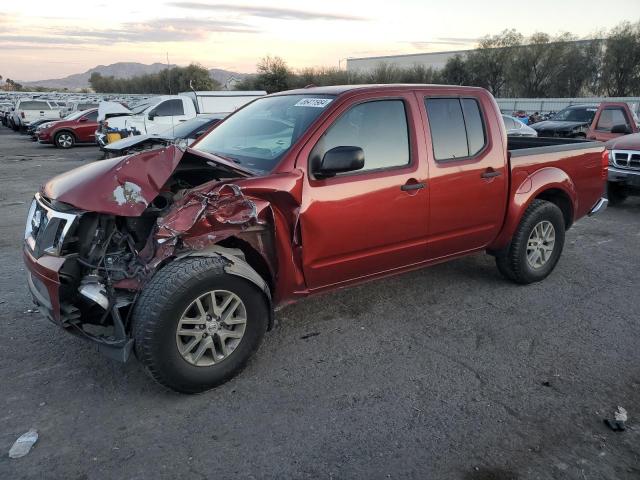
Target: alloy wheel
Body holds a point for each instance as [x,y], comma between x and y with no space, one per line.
[211,328]
[540,244]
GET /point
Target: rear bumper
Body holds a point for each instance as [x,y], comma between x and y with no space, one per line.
[598,207]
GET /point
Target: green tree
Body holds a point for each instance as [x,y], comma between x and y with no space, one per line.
[537,63]
[273,74]
[621,62]
[456,72]
[170,80]
[489,65]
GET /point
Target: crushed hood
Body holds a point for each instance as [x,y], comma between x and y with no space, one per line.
[111,109]
[124,185]
[134,140]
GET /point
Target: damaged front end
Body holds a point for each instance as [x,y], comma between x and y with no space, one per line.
[95,236]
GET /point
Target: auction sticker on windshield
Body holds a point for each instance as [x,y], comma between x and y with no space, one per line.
[313,102]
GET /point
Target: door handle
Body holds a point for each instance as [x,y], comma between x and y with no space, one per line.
[407,187]
[491,174]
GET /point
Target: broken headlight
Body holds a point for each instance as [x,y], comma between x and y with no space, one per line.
[47,229]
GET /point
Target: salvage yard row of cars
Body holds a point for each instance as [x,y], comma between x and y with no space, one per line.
[183,250]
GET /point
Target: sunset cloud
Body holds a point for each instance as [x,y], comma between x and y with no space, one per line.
[265,12]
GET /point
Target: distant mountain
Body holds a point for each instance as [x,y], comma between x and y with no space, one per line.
[122,70]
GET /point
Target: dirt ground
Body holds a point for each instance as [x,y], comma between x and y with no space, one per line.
[445,373]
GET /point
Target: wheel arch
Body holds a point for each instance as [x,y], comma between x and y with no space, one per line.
[551,184]
[64,130]
[243,261]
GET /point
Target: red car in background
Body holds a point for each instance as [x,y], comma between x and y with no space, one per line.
[77,128]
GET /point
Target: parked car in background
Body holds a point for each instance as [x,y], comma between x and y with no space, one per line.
[522,116]
[5,110]
[189,131]
[76,128]
[160,113]
[78,106]
[27,111]
[183,254]
[571,122]
[613,119]
[515,128]
[34,126]
[624,167]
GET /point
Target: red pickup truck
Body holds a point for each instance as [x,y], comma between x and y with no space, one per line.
[183,254]
[612,120]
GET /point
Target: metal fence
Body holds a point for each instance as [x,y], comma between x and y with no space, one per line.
[546,105]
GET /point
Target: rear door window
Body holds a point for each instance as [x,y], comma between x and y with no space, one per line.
[457,127]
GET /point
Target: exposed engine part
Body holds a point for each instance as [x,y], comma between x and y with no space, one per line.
[95,291]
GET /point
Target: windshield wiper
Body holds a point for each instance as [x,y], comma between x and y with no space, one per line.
[227,157]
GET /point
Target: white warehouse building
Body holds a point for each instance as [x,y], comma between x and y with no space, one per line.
[435,60]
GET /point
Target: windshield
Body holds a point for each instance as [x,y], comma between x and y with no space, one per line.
[141,107]
[584,114]
[258,136]
[74,115]
[185,129]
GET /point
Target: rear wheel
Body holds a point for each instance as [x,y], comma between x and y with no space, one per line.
[64,140]
[196,326]
[616,193]
[536,245]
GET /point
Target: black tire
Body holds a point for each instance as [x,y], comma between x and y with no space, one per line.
[160,306]
[64,139]
[514,265]
[616,193]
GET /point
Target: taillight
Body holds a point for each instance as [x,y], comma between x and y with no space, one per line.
[22,114]
[605,164]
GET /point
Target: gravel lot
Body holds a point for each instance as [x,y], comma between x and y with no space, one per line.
[445,373]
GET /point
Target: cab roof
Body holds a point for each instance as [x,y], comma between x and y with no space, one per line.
[340,89]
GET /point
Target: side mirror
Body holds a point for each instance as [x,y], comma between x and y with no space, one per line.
[82,119]
[339,160]
[621,128]
[152,115]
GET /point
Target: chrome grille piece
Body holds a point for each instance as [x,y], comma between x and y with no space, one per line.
[628,159]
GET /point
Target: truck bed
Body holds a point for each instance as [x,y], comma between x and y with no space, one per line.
[578,159]
[522,146]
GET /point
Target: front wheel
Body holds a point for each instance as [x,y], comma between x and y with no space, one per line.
[196,326]
[64,140]
[536,245]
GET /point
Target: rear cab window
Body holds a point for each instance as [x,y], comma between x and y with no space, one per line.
[610,117]
[34,105]
[457,128]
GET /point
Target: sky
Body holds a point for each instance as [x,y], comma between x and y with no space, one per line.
[50,39]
